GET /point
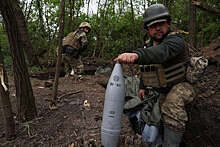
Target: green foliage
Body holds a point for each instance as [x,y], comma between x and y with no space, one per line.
[208,24]
[5,47]
[111,28]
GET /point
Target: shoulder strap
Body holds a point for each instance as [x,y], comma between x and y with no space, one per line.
[78,31]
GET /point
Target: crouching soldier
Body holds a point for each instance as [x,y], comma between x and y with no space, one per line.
[162,62]
[73,45]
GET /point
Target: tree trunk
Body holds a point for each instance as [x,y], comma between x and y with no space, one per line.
[24,93]
[27,13]
[9,123]
[22,28]
[40,19]
[72,7]
[98,32]
[192,24]
[133,25]
[88,8]
[103,25]
[56,80]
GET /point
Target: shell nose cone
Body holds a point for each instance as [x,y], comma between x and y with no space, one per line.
[113,108]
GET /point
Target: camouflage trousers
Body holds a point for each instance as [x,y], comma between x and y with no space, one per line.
[172,108]
[71,63]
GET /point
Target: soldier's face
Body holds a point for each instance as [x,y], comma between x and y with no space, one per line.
[86,29]
[158,30]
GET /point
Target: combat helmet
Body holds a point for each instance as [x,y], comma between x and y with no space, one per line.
[85,24]
[155,13]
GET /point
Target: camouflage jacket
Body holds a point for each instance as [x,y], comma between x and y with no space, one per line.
[76,39]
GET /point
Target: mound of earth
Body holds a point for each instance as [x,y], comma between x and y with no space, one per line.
[203,126]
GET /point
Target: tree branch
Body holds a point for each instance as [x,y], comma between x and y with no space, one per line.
[206,8]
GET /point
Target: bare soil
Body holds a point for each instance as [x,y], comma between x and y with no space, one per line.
[72,124]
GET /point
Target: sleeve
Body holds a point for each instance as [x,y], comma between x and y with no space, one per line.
[172,46]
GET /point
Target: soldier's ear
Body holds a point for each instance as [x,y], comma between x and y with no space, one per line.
[147,29]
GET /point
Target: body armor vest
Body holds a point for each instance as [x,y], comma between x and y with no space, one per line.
[170,72]
[72,39]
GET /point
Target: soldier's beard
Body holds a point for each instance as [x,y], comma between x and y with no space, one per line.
[155,38]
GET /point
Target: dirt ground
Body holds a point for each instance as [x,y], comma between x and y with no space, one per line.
[75,124]
[72,123]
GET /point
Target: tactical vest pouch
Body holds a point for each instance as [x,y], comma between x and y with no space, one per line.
[149,75]
[175,73]
[157,76]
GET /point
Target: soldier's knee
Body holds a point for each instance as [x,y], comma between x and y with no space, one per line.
[181,93]
[186,92]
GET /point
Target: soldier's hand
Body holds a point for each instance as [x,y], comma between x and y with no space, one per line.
[141,94]
[127,58]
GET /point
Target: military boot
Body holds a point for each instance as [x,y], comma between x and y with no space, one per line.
[172,138]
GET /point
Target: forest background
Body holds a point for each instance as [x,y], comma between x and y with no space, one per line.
[117,26]
[32,31]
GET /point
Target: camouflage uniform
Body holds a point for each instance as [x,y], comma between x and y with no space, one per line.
[196,68]
[163,68]
[173,111]
[76,40]
[176,94]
